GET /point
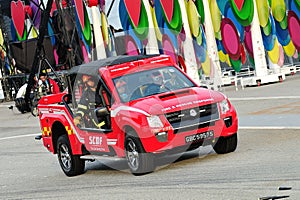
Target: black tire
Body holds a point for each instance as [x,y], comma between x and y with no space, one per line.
[138,160]
[34,109]
[71,165]
[21,105]
[226,144]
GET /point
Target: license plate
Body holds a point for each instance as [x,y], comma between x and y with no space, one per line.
[199,136]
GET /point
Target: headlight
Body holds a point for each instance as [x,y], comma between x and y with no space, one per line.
[224,106]
[154,122]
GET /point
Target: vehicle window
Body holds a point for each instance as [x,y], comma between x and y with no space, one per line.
[149,82]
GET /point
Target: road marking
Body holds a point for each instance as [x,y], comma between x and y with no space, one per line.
[20,136]
[263,98]
[269,127]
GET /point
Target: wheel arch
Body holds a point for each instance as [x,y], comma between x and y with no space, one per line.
[58,129]
[129,130]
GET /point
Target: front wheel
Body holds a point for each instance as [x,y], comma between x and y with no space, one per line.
[71,165]
[138,160]
[226,144]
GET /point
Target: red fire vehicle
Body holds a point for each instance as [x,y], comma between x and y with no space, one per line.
[149,107]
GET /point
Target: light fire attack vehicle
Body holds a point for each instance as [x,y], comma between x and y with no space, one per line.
[149,107]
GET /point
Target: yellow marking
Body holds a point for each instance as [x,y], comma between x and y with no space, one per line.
[69,130]
[82,106]
[46,131]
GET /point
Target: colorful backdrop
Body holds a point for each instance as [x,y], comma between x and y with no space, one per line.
[174,27]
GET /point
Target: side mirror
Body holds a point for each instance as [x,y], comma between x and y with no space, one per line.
[101,112]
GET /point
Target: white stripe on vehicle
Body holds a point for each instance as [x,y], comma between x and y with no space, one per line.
[127,108]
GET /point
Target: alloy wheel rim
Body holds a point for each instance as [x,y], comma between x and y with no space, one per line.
[132,155]
[65,156]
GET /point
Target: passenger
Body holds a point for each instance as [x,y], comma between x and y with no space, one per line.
[89,101]
[174,82]
[121,87]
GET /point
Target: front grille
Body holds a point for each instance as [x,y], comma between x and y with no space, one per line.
[193,118]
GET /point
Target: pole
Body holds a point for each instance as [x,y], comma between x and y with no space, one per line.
[258,48]
[39,48]
[189,51]
[212,47]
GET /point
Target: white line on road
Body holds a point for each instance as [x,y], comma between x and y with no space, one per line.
[19,136]
[263,98]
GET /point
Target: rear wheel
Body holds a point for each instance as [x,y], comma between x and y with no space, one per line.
[138,160]
[71,165]
[34,109]
[226,144]
[21,105]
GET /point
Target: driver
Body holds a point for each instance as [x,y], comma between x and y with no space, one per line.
[157,86]
[157,78]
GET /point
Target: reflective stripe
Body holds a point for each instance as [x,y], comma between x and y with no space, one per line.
[112,141]
[81,113]
[82,106]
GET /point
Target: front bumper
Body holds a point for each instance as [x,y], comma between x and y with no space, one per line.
[162,141]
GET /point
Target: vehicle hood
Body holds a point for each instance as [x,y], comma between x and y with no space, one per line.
[177,100]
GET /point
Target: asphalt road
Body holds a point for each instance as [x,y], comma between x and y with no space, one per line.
[267,157]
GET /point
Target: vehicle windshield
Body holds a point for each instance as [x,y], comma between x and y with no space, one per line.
[149,82]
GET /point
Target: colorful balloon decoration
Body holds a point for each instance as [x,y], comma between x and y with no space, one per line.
[293,24]
[279,30]
[36,12]
[84,28]
[279,22]
[18,20]
[134,17]
[168,27]
[102,34]
[196,18]
[243,11]
[278,8]
[294,27]
[83,21]
[232,30]
[248,41]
